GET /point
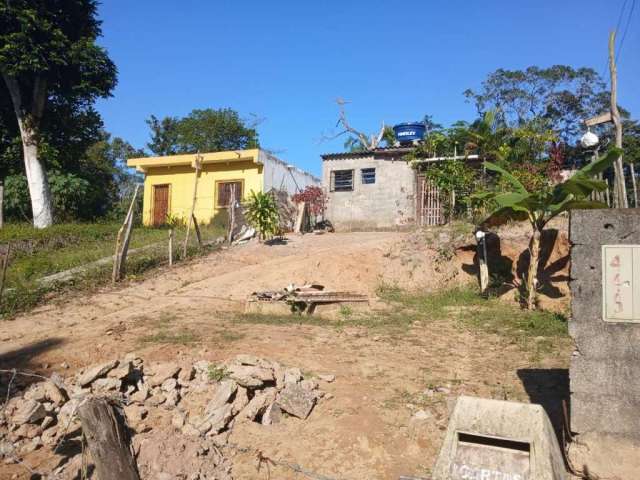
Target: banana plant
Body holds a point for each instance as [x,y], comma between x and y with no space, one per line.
[261,212]
[539,207]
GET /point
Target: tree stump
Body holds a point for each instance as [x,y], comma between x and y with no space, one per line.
[108,439]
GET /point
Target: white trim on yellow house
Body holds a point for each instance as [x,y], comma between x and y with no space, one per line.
[142,164]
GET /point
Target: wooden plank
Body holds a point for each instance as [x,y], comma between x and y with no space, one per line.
[599,119]
[171,247]
[302,209]
[108,439]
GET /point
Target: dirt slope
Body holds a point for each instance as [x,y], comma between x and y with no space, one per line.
[364,431]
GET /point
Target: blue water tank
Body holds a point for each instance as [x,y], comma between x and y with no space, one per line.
[409,132]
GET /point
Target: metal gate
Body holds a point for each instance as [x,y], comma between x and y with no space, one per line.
[429,203]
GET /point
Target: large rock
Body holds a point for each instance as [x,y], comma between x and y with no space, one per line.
[96,371]
[292,375]
[273,414]
[108,384]
[135,414]
[67,416]
[250,376]
[122,371]
[141,395]
[36,392]
[219,419]
[259,403]
[240,400]
[161,372]
[296,401]
[224,392]
[29,411]
[54,394]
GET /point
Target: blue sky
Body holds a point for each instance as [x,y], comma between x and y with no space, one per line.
[287,61]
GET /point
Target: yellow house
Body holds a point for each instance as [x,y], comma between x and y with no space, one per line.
[169,182]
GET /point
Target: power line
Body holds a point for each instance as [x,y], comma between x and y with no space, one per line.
[606,64]
[626,28]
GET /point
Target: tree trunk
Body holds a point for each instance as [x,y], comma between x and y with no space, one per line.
[633,183]
[532,274]
[41,204]
[108,439]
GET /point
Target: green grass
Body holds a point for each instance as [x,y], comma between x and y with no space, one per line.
[463,307]
[39,253]
[181,337]
[216,373]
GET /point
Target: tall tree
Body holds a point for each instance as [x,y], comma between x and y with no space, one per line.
[48,54]
[207,130]
[561,95]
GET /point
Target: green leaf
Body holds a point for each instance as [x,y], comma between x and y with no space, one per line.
[519,187]
[599,166]
[575,205]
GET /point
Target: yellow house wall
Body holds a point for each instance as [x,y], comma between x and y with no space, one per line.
[181,179]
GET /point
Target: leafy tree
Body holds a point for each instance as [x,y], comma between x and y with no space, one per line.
[164,135]
[49,55]
[97,187]
[455,179]
[207,130]
[560,95]
[261,211]
[539,206]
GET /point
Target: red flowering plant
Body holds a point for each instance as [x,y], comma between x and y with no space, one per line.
[315,199]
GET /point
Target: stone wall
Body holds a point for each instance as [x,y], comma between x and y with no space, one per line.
[605,368]
[389,203]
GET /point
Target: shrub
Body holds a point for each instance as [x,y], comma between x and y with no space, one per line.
[262,214]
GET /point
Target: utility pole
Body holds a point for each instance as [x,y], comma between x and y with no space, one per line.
[620,189]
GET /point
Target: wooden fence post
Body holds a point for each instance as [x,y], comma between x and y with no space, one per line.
[5,250]
[231,212]
[171,247]
[1,203]
[108,439]
[197,164]
[196,227]
[122,240]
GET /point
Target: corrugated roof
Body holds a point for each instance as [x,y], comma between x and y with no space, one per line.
[379,151]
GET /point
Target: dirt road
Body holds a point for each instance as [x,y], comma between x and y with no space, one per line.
[364,431]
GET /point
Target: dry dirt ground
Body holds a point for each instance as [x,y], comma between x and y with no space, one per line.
[192,312]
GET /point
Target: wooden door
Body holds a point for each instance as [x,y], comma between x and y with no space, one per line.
[160,204]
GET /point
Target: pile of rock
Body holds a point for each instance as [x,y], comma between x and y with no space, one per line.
[245,388]
[252,389]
